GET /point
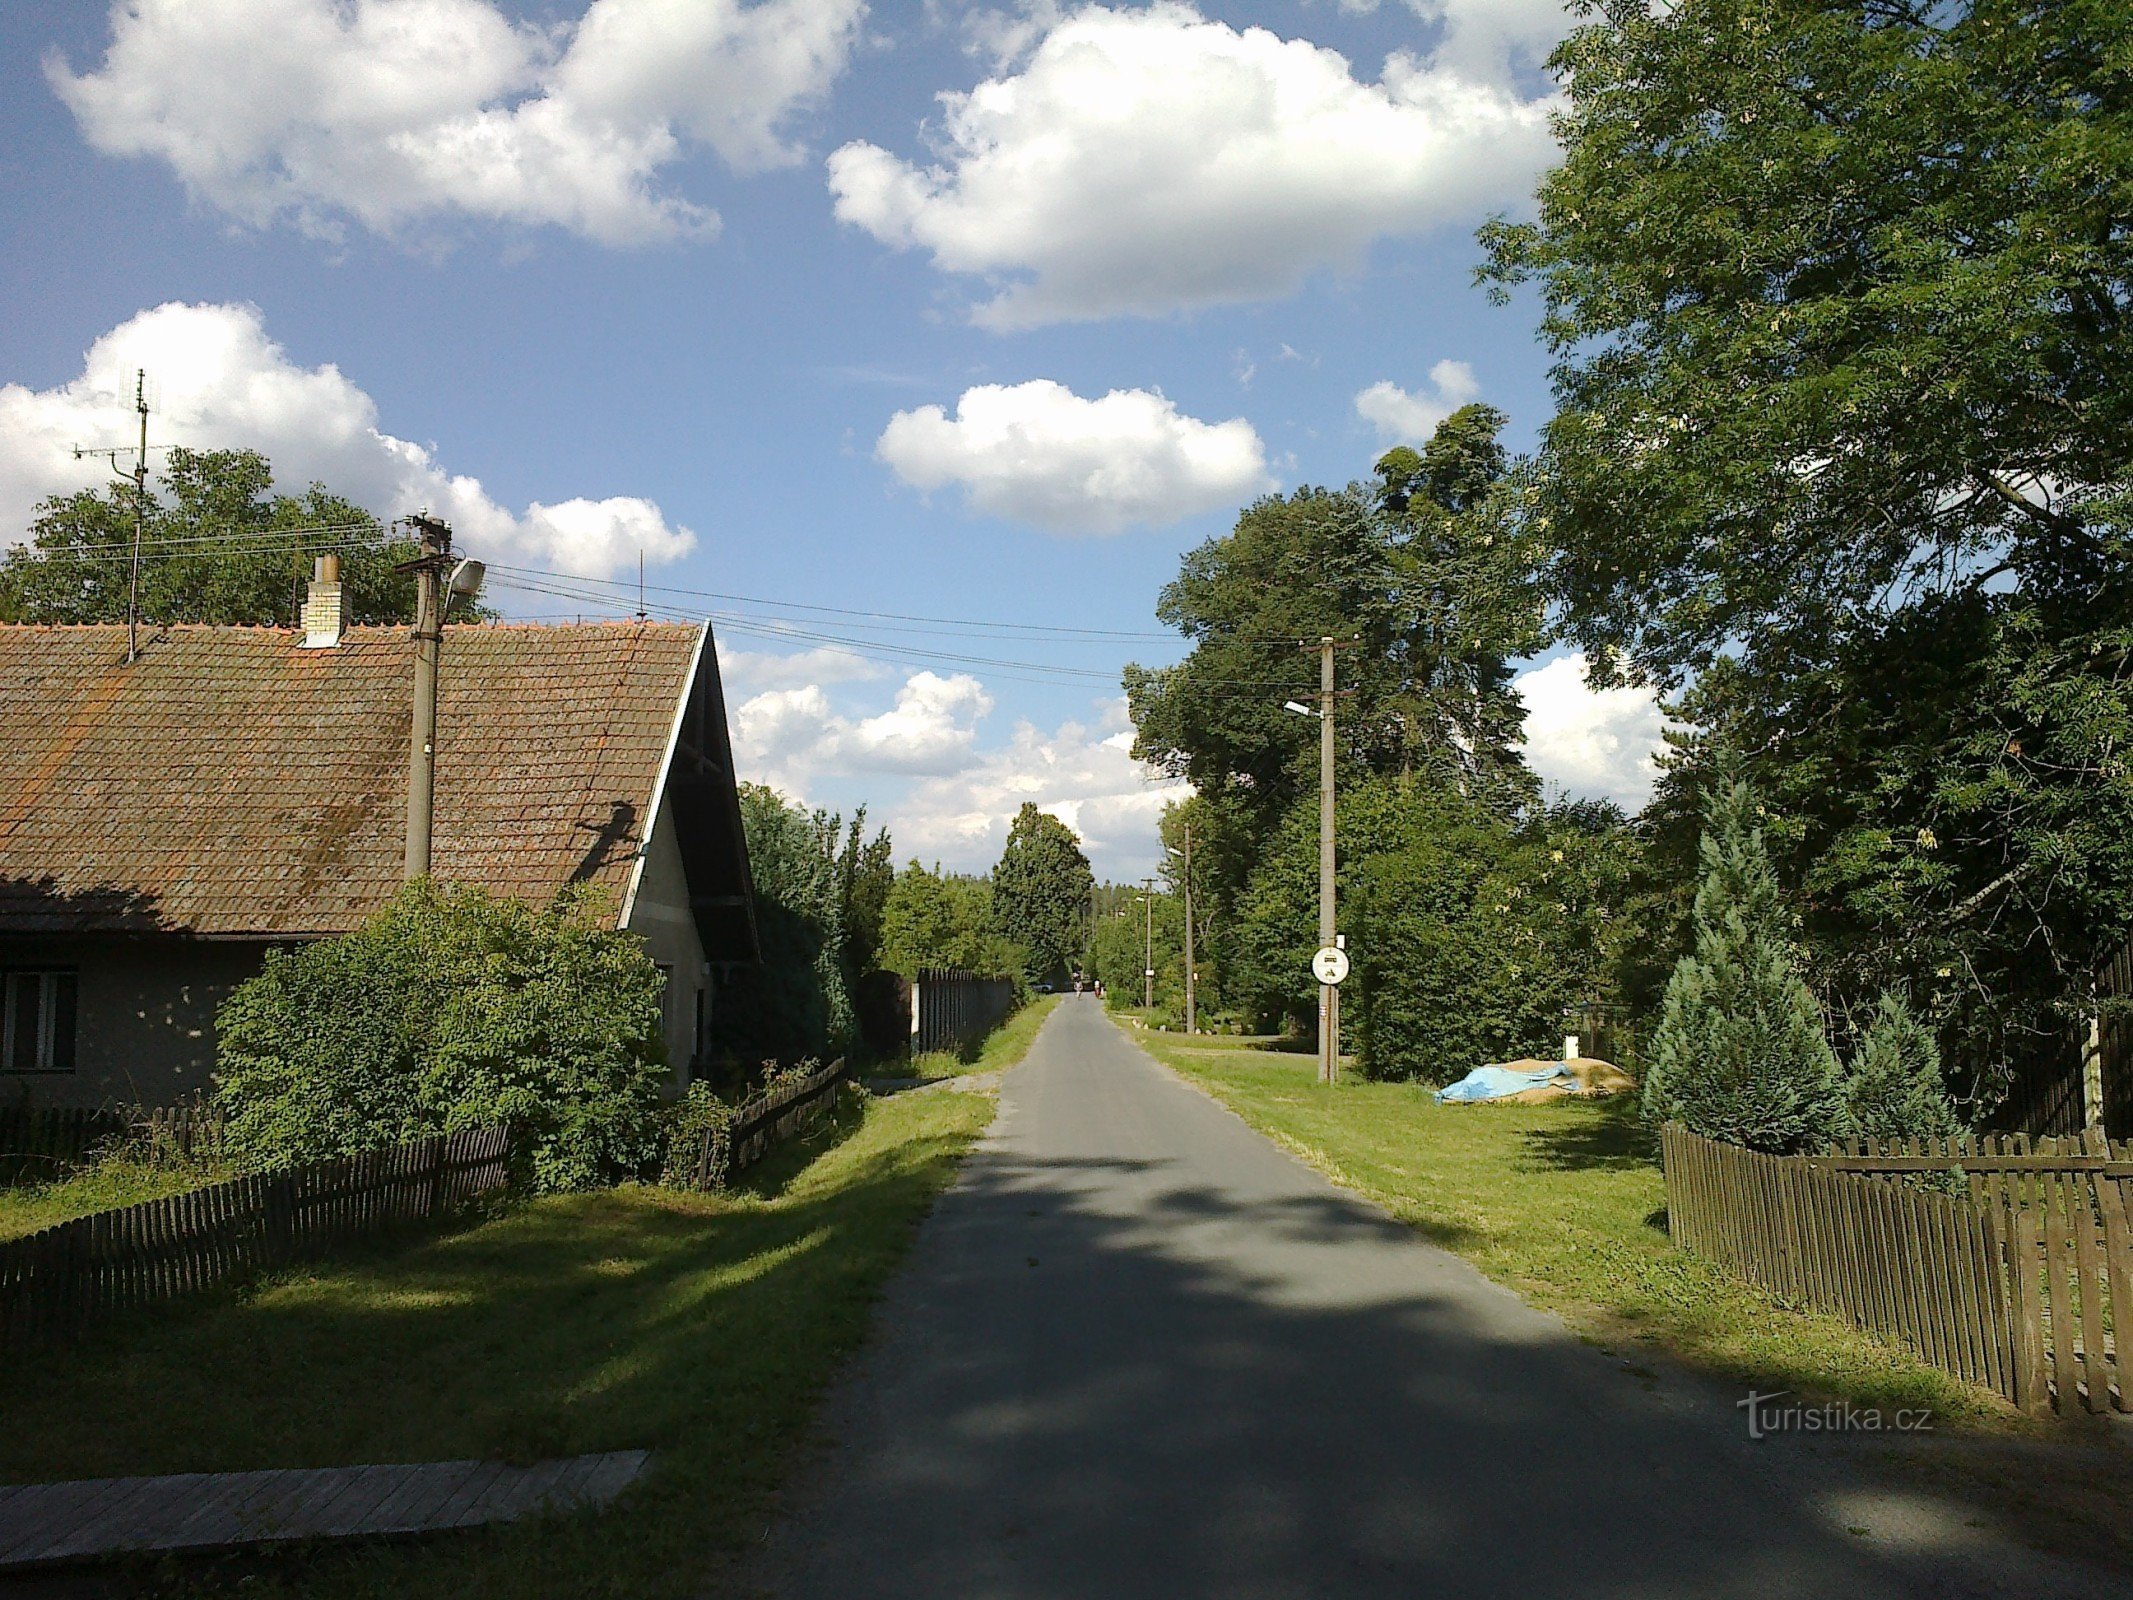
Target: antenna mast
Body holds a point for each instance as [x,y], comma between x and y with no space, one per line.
[140,516]
[139,475]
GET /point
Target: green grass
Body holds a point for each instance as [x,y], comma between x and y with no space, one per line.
[701,1326]
[117,1180]
[1003,1047]
[1564,1203]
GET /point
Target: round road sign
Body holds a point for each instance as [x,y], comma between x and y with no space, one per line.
[1330,965]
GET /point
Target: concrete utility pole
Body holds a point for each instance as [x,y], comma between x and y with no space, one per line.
[1191,977]
[1148,959]
[1329,994]
[429,569]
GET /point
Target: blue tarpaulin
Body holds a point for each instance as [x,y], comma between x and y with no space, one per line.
[1497,1083]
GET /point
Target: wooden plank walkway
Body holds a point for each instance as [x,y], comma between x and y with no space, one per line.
[42,1523]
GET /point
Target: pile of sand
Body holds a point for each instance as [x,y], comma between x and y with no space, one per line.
[1596,1079]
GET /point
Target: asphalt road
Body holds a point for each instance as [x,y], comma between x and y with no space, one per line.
[1141,1351]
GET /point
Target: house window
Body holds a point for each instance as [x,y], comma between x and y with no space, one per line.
[37,1022]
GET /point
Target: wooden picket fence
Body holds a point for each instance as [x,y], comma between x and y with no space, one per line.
[39,1143]
[54,1281]
[2006,1261]
[761,1124]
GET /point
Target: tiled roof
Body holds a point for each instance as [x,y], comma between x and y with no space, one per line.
[228,782]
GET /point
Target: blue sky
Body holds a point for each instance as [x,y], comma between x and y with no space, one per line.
[737,286]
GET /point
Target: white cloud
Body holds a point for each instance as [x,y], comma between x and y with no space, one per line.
[1038,453]
[1397,414]
[754,669]
[1596,743]
[788,738]
[919,767]
[392,112]
[1086,776]
[217,381]
[1488,38]
[1149,161]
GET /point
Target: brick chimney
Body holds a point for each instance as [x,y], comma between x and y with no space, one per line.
[322,606]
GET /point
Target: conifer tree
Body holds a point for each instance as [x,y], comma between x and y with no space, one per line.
[1894,1089]
[1740,1054]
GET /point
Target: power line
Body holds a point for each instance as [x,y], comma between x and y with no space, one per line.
[787,631]
[240,540]
[841,611]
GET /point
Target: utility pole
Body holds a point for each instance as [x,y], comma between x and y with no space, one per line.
[1329,995]
[429,570]
[1148,961]
[1191,977]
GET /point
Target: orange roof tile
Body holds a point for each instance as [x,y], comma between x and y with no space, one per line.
[229,782]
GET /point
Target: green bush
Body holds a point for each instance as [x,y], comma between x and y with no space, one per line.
[448,1009]
[701,1114]
[1740,1054]
[1894,1089]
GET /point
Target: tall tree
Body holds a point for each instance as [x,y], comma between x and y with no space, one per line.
[1040,892]
[936,919]
[1428,574]
[866,868]
[1839,294]
[796,1003]
[218,546]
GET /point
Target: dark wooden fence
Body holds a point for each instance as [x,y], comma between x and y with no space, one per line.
[45,1142]
[2004,1260]
[953,1010]
[761,1124]
[54,1281]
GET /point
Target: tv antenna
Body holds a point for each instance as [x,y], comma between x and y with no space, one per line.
[139,474]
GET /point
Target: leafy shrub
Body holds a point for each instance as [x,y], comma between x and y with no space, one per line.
[695,1117]
[1893,1089]
[700,1114]
[448,1009]
[1740,1054]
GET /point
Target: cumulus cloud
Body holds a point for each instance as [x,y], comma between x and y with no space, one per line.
[788,738]
[1142,162]
[1038,453]
[1596,743]
[1399,415]
[219,382]
[764,669]
[391,112]
[1082,773]
[1489,39]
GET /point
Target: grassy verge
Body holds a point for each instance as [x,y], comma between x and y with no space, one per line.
[118,1180]
[1564,1203]
[1003,1047]
[701,1326]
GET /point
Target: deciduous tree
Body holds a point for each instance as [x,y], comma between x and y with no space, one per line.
[1040,893]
